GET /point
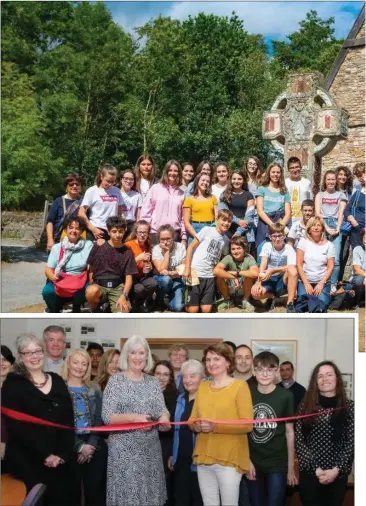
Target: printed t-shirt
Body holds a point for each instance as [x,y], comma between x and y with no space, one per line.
[267,442]
[286,256]
[106,259]
[239,203]
[316,258]
[209,251]
[330,202]
[299,191]
[297,232]
[273,201]
[77,262]
[132,202]
[202,210]
[231,265]
[176,257]
[137,249]
[102,204]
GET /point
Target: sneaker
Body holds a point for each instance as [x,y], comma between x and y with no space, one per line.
[291,307]
[225,304]
[333,289]
[271,304]
[247,306]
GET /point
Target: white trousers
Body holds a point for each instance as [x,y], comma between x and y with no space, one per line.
[217,481]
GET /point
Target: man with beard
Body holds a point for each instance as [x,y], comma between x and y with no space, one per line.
[244,364]
[95,351]
[55,340]
[287,376]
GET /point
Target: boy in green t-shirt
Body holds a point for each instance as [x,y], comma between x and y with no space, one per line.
[236,273]
[271,444]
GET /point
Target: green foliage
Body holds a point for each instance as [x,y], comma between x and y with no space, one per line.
[77,90]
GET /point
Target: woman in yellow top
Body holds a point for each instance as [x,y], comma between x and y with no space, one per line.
[199,209]
[221,452]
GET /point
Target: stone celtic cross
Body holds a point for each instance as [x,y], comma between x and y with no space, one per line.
[305,121]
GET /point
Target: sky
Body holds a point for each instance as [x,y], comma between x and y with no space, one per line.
[274,20]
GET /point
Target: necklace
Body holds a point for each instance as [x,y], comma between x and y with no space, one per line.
[41,385]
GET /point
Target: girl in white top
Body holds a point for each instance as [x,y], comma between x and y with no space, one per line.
[145,175]
[221,179]
[315,261]
[330,204]
[132,199]
[103,201]
[254,170]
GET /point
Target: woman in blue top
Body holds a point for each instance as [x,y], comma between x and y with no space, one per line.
[67,257]
[345,184]
[90,447]
[187,491]
[273,202]
[355,209]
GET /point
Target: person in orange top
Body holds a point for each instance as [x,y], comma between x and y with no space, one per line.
[144,283]
[221,451]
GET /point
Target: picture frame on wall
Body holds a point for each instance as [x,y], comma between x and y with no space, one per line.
[284,349]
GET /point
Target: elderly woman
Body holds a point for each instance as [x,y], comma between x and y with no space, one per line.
[90,447]
[36,454]
[325,443]
[221,452]
[187,491]
[135,465]
[66,269]
[7,360]
[108,366]
[315,261]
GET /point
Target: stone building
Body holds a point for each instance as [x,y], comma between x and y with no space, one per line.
[346,83]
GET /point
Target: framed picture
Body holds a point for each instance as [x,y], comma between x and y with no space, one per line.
[67,327]
[285,350]
[87,330]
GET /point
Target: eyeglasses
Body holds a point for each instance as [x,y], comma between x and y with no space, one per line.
[74,184]
[29,354]
[264,371]
[179,355]
[276,236]
[165,239]
[128,179]
[141,233]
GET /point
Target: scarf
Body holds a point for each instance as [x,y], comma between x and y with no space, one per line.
[67,249]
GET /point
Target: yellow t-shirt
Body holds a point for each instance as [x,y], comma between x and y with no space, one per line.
[202,210]
[227,444]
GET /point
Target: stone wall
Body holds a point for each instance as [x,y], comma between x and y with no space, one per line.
[348,89]
[22,225]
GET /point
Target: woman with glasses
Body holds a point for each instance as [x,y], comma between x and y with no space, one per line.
[132,199]
[34,453]
[62,208]
[325,443]
[253,170]
[144,284]
[221,452]
[167,255]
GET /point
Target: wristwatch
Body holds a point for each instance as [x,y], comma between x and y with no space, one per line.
[125,295]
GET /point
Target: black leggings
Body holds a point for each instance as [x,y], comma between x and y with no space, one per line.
[312,493]
[142,289]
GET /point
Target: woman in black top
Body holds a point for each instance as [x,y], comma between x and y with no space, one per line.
[36,453]
[324,444]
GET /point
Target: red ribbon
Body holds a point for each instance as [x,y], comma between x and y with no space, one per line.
[22,417]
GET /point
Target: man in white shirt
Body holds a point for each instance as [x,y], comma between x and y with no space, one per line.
[298,187]
[55,340]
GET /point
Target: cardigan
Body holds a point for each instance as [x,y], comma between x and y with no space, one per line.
[179,410]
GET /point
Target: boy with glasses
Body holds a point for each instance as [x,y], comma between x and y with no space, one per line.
[277,271]
[271,444]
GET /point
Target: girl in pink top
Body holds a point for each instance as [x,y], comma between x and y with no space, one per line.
[163,204]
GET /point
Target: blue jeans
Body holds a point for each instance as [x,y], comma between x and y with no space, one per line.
[337,242]
[197,228]
[271,484]
[173,288]
[324,296]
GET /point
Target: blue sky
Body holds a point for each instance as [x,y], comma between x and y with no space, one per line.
[274,20]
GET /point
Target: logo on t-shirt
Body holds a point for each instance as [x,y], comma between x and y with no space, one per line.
[214,250]
[263,432]
[108,198]
[330,201]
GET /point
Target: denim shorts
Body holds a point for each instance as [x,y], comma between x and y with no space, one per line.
[275,285]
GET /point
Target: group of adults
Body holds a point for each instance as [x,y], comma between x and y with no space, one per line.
[213,455]
[193,239]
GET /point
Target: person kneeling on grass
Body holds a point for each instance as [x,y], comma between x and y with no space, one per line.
[112,267]
[277,271]
[209,244]
[236,273]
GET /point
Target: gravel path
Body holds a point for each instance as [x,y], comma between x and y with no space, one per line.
[22,274]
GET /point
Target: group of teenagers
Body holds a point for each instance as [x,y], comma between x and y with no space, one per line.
[208,239]
[213,455]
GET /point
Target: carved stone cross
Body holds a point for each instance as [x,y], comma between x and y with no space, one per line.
[305,121]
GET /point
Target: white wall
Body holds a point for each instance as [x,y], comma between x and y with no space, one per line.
[317,338]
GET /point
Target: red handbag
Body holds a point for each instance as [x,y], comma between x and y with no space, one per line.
[67,284]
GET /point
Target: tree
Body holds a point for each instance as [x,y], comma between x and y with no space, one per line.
[312,47]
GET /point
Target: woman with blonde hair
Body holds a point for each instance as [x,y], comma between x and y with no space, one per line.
[145,174]
[103,200]
[315,261]
[108,366]
[90,447]
[135,463]
[36,454]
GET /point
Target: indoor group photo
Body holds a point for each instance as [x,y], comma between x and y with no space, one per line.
[166,411]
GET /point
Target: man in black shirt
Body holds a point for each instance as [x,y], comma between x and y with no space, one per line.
[287,375]
[244,364]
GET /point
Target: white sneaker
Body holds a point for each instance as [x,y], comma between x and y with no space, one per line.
[333,289]
[248,306]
